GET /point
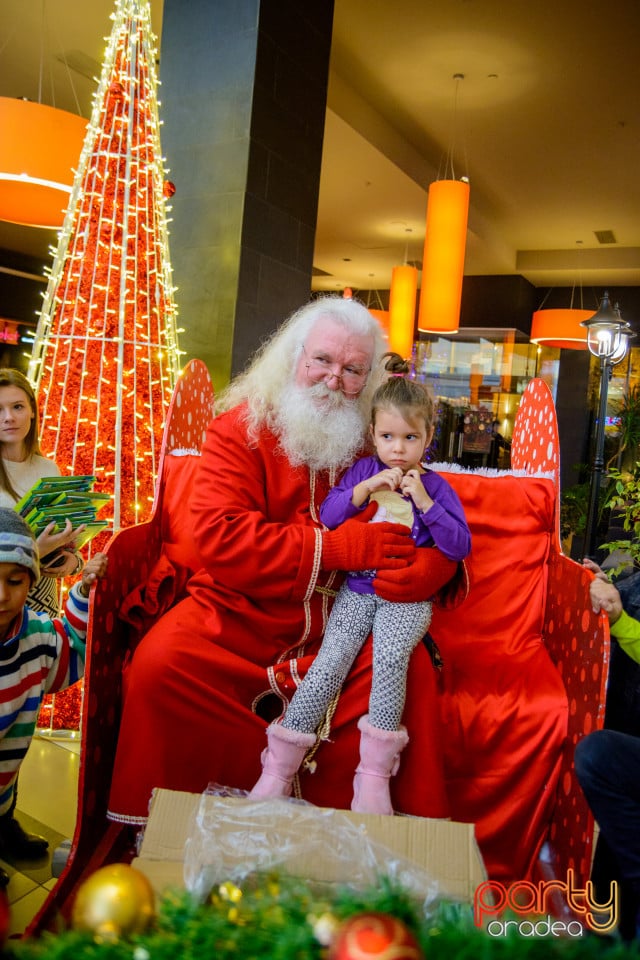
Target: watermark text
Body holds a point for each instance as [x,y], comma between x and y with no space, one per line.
[533,907]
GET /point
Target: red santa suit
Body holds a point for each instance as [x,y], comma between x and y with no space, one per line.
[208,677]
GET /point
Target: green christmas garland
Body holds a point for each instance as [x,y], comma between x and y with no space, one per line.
[284,919]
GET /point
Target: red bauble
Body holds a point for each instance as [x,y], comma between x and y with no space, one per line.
[116,89]
[374,936]
[168,188]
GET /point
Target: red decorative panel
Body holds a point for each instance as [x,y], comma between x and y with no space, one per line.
[191,409]
[535,444]
[578,642]
[576,638]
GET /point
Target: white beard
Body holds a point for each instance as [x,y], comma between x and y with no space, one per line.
[319,427]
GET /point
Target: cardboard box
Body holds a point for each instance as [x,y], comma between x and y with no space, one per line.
[444,850]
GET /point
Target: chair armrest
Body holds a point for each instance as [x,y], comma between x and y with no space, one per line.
[131,553]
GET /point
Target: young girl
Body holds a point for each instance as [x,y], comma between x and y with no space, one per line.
[21,465]
[402,424]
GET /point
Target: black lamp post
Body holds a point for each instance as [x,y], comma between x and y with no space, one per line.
[608,339]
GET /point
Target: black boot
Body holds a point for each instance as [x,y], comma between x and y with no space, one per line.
[17,844]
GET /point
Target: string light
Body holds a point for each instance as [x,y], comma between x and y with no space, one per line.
[108,316]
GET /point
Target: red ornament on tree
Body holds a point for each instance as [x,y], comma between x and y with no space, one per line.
[116,89]
[374,936]
[168,188]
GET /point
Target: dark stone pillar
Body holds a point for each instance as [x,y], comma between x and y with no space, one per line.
[572,408]
[243,100]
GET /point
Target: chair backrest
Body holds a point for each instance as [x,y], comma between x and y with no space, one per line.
[535,444]
[190,413]
[526,627]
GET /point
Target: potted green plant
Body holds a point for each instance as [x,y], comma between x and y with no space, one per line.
[574,510]
[624,501]
[574,506]
[628,410]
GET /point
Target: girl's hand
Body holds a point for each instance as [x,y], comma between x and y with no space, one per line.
[94,568]
[390,478]
[411,486]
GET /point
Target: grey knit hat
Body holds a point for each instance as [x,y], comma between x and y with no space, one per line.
[17,542]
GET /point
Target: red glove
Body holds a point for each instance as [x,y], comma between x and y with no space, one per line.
[420,580]
[359,545]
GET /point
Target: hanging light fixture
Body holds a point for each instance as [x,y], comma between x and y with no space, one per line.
[561,327]
[381,315]
[402,305]
[402,309]
[39,148]
[444,248]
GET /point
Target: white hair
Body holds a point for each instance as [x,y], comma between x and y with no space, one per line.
[264,383]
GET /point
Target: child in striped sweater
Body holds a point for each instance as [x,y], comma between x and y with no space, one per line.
[38,655]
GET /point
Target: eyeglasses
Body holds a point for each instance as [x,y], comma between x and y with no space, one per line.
[351,377]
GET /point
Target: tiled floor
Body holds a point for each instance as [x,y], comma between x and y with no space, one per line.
[46,805]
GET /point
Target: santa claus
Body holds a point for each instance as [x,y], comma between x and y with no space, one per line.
[208,678]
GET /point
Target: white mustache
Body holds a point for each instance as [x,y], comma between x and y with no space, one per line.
[319,427]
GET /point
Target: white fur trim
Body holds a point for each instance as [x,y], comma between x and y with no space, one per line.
[488,471]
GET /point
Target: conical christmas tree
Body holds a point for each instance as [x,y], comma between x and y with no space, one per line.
[105,356]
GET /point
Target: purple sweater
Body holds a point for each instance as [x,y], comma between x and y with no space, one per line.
[443,526]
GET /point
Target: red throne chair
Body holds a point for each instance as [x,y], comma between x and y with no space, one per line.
[525,659]
[525,664]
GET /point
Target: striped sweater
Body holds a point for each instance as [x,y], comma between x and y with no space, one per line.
[39,656]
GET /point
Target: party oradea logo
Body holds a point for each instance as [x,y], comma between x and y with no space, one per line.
[531,909]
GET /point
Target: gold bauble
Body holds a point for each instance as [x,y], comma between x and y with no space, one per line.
[115,901]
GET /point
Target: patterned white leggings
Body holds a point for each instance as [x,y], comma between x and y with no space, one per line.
[397,629]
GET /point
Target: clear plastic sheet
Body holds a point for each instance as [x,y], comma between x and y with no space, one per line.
[230,841]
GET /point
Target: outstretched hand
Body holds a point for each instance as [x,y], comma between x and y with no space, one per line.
[593,568]
[48,540]
[604,596]
[359,545]
[57,550]
[602,593]
[94,568]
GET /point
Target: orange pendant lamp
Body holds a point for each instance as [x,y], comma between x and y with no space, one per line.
[382,316]
[40,147]
[443,259]
[560,328]
[402,309]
